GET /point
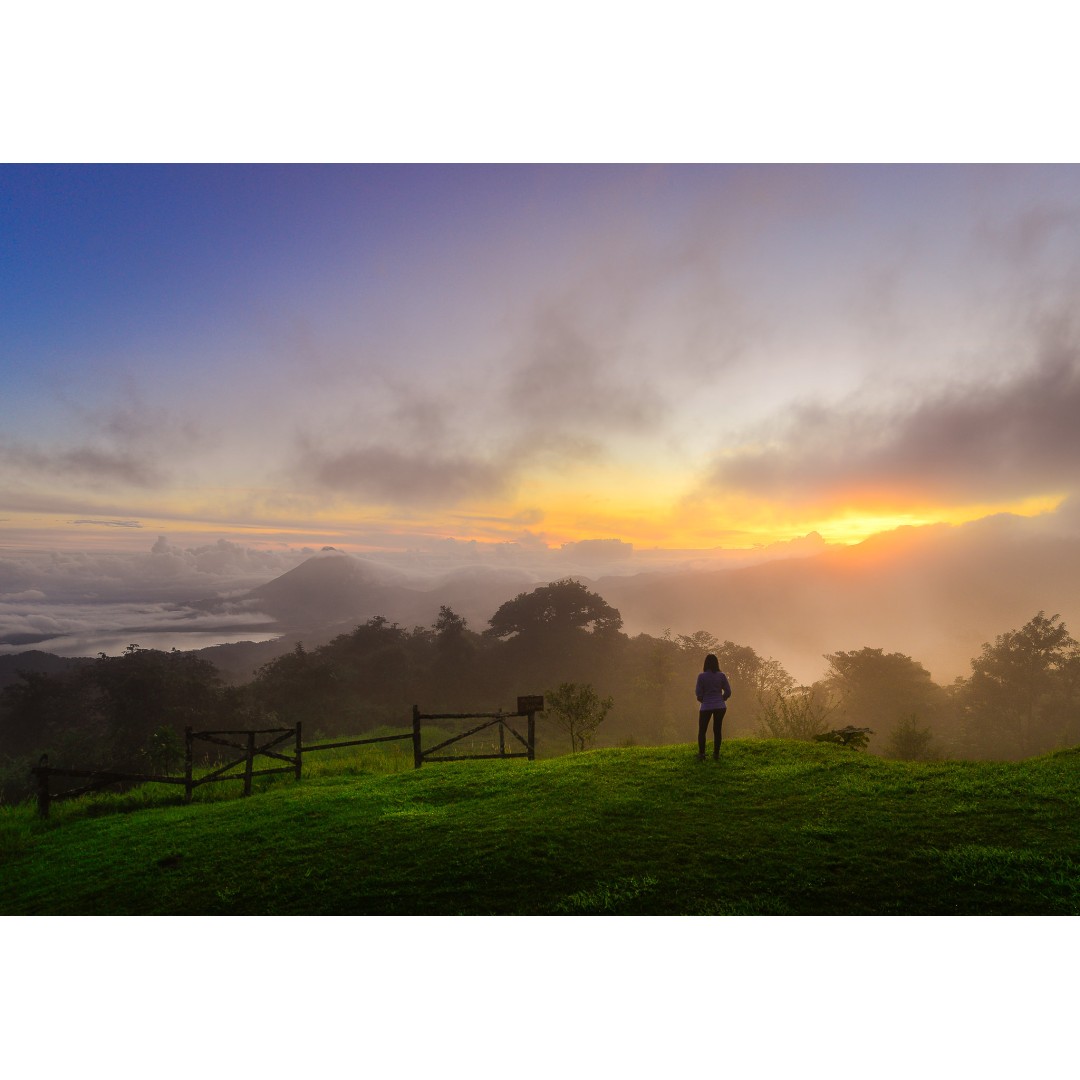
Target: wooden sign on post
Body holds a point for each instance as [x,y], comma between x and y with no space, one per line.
[530,704]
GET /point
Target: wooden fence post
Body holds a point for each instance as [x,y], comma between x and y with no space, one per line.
[502,737]
[418,754]
[188,762]
[248,764]
[532,736]
[42,773]
[299,746]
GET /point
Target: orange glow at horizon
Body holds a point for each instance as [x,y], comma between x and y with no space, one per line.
[741,524]
[551,518]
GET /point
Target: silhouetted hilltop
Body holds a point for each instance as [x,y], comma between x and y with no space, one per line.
[42,663]
[335,589]
[326,588]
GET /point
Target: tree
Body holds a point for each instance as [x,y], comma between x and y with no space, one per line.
[870,686]
[145,688]
[107,713]
[658,688]
[700,641]
[449,623]
[564,605]
[578,710]
[800,714]
[753,674]
[1024,690]
[164,747]
[453,672]
[910,742]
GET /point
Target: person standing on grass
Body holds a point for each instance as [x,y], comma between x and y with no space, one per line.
[712,692]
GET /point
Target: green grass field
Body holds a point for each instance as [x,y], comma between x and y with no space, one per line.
[774,828]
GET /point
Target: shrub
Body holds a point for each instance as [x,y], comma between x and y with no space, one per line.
[855,737]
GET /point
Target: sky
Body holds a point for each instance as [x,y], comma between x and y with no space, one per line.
[519,358]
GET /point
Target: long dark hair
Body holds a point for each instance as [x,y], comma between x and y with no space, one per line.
[711,663]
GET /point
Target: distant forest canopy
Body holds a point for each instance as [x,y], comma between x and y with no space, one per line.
[1022,697]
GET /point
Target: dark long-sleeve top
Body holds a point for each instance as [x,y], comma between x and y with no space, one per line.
[712,690]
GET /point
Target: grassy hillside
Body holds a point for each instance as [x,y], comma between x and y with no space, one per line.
[773,828]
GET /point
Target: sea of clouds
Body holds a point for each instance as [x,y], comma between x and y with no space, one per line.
[81,603]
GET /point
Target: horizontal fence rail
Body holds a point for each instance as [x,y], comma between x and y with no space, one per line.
[528,707]
[247,742]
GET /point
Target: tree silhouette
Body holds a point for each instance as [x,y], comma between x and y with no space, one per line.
[871,686]
[1024,688]
[578,710]
[561,606]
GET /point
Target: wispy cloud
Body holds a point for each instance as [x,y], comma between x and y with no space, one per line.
[567,379]
[109,524]
[386,475]
[91,465]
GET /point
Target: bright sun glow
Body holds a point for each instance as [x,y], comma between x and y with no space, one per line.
[853,527]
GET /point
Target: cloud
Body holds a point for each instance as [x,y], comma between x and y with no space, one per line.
[109,524]
[1022,238]
[597,552]
[127,443]
[59,627]
[387,475]
[89,464]
[167,572]
[1005,438]
[569,378]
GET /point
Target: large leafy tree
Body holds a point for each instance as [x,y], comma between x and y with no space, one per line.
[110,712]
[146,688]
[880,690]
[1024,690]
[557,633]
[564,605]
[354,682]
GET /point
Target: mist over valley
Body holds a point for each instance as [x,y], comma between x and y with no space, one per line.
[934,593]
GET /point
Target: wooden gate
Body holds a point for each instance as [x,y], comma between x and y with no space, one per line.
[527,708]
[246,762]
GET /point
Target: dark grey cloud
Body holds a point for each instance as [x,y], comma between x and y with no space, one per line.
[127,443]
[1024,237]
[566,379]
[109,524]
[90,465]
[1002,439]
[402,477]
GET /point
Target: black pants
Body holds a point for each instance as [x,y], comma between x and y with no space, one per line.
[703,728]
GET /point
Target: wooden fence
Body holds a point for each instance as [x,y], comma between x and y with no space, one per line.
[527,708]
[242,768]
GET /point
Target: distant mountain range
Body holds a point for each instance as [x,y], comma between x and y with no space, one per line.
[934,593]
[333,589]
